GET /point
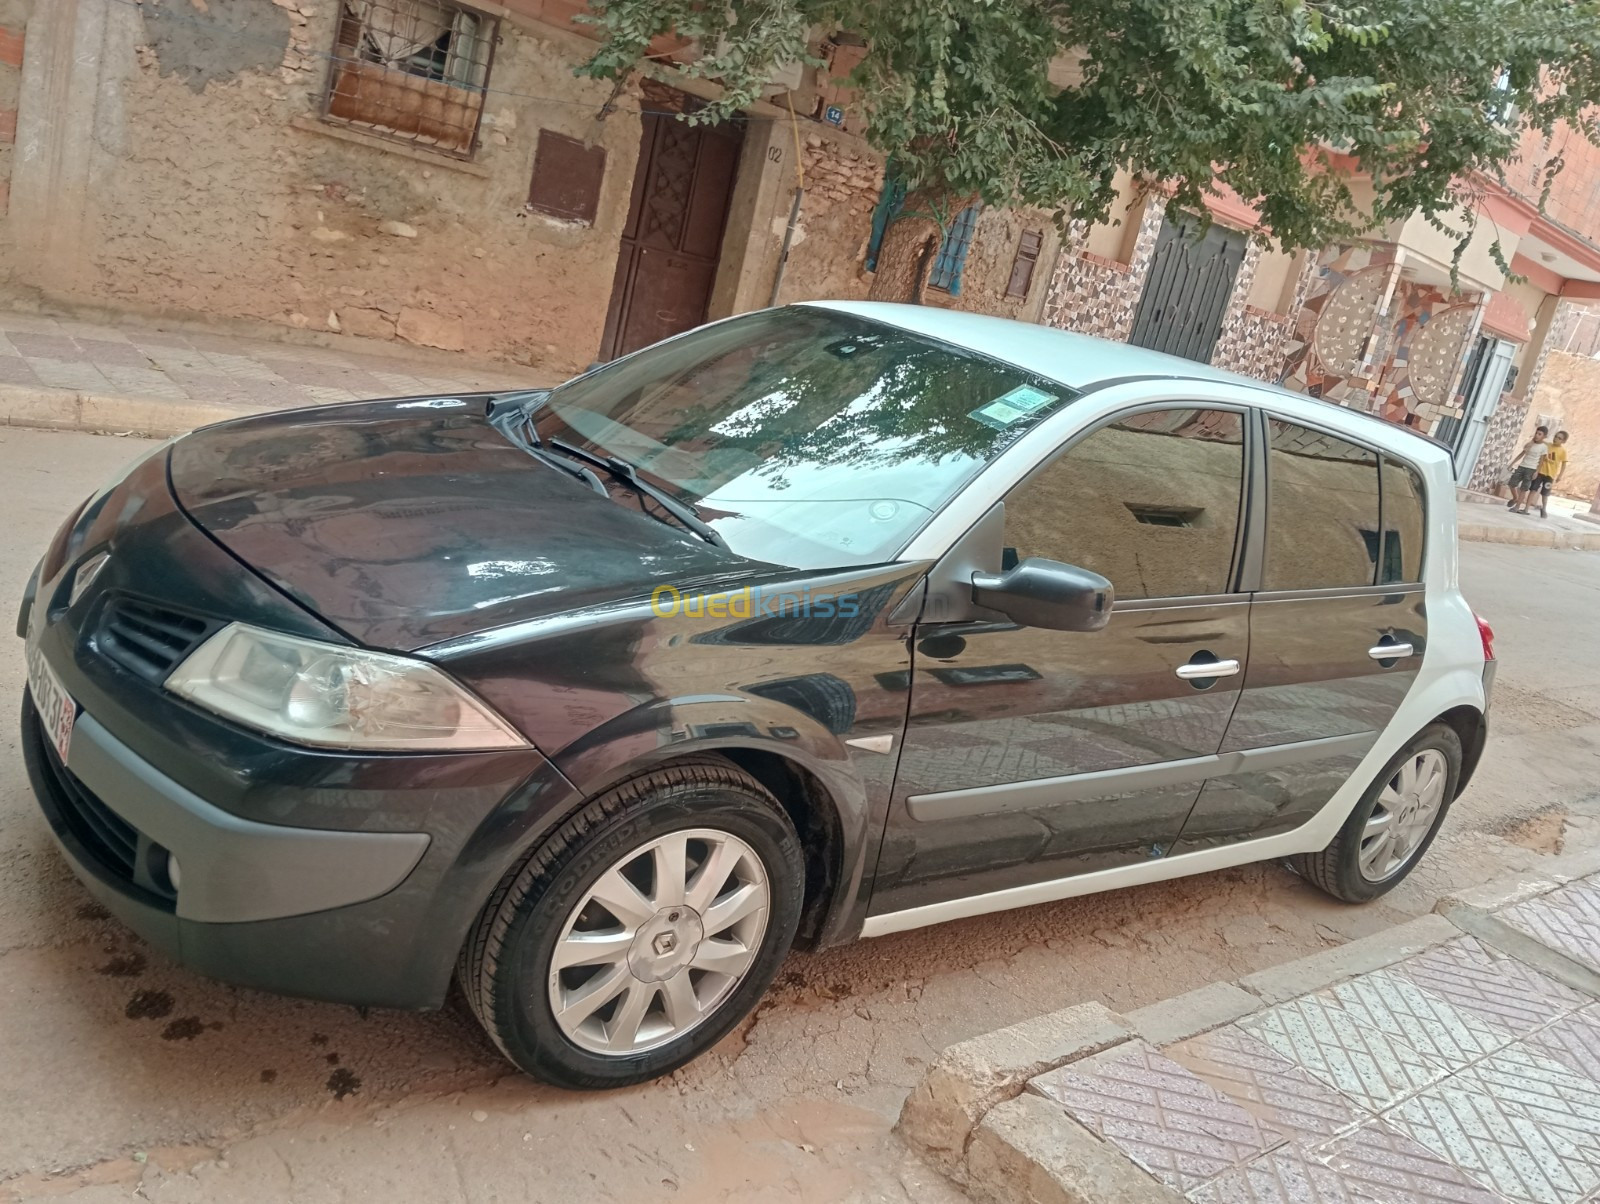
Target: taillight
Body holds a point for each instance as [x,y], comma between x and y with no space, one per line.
[1486,634]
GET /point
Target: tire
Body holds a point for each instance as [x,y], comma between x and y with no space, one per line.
[1339,870]
[708,815]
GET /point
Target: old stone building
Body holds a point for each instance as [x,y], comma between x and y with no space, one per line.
[431,172]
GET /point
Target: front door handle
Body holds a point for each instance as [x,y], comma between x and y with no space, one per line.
[1200,671]
[1390,652]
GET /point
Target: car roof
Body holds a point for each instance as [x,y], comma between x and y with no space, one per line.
[1078,360]
[1082,361]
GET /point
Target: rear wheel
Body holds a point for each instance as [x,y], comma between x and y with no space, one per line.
[1393,824]
[642,931]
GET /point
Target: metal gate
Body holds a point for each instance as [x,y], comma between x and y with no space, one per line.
[1186,293]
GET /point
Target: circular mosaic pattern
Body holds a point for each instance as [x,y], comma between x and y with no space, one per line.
[1436,353]
[1346,321]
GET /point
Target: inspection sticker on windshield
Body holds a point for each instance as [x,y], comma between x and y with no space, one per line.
[1011,408]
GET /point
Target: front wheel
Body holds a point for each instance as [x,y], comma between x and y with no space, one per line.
[642,931]
[1393,824]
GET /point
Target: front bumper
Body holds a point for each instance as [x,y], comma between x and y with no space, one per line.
[330,875]
[369,918]
[234,870]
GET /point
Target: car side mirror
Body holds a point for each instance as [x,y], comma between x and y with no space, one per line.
[1046,593]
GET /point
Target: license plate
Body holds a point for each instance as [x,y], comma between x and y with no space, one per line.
[56,709]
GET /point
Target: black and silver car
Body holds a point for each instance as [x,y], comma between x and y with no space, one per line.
[817,623]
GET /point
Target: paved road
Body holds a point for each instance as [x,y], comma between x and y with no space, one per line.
[122,1071]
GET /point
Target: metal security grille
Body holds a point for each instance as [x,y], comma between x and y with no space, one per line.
[413,71]
[947,264]
[1186,294]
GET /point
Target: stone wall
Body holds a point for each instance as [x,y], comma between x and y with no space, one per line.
[1569,392]
[216,189]
[191,173]
[843,180]
[827,259]
[987,269]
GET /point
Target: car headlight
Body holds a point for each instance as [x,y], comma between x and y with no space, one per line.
[331,696]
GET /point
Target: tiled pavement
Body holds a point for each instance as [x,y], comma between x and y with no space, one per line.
[253,374]
[1457,1075]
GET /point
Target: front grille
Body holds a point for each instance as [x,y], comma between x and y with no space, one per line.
[120,849]
[147,639]
[103,832]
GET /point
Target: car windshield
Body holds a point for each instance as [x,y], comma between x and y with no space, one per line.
[805,437]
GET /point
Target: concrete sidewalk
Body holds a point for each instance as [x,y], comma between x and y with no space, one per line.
[1491,522]
[1455,1058]
[66,374]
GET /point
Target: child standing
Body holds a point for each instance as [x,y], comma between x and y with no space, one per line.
[1526,471]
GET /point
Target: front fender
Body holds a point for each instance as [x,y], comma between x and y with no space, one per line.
[669,729]
[853,783]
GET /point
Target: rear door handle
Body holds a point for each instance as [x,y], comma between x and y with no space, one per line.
[1390,652]
[1205,669]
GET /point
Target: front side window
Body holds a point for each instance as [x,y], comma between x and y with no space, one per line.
[805,437]
[412,70]
[1150,502]
[1322,511]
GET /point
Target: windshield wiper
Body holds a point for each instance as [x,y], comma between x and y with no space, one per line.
[624,471]
[517,425]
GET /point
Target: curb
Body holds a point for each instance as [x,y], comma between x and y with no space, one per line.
[67,410]
[1529,537]
[975,1117]
[969,1079]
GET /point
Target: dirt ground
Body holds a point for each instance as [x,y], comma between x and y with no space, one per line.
[125,1074]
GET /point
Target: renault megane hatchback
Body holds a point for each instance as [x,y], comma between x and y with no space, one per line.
[817,623]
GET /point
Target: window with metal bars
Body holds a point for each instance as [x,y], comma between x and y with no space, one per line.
[413,71]
[952,257]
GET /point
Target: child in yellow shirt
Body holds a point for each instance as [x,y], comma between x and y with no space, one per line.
[1551,465]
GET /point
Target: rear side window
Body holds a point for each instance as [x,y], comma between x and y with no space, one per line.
[1150,502]
[1322,515]
[1403,524]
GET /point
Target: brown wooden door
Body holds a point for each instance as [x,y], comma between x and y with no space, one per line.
[670,246]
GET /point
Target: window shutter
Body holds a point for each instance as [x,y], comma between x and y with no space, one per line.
[566,178]
[1022,266]
[952,257]
[890,200]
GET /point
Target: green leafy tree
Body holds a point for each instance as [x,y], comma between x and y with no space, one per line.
[1275,98]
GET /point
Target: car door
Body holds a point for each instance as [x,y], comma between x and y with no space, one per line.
[1337,631]
[1034,754]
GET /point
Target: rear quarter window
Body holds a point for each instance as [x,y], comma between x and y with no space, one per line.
[1404,524]
[1323,529]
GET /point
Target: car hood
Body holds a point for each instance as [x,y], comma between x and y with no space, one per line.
[405,523]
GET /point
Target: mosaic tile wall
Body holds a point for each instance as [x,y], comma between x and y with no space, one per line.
[1403,367]
[1255,341]
[1095,295]
[1499,442]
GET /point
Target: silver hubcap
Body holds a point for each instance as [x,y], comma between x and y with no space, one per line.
[1404,815]
[658,942]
